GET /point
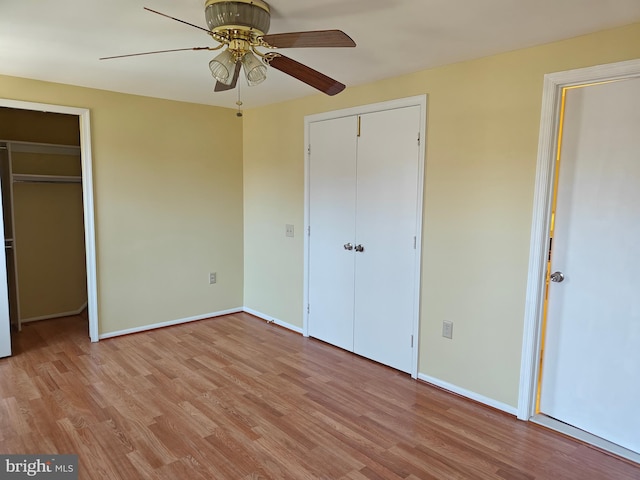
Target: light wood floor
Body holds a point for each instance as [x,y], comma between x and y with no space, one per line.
[236,398]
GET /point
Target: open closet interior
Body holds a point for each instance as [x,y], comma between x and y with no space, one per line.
[42,208]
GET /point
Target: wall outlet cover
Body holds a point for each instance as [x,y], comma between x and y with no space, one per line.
[289,230]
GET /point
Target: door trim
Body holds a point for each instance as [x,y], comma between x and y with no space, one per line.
[87,198]
[542,204]
[420,101]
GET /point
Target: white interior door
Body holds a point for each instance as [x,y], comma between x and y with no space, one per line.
[5,322]
[386,222]
[332,203]
[591,358]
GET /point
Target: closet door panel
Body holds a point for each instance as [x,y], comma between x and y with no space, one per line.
[332,201]
[387,206]
[5,322]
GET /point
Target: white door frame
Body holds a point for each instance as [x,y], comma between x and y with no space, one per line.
[87,198]
[542,204]
[421,101]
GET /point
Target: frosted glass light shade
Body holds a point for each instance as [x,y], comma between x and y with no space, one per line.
[254,69]
[223,67]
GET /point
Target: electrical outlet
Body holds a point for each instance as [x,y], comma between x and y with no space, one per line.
[447,329]
[288,230]
[213,278]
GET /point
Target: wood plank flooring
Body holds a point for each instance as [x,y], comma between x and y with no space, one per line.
[236,398]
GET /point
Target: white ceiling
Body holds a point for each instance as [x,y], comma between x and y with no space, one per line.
[61,41]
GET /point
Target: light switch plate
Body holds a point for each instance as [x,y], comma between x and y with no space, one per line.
[447,329]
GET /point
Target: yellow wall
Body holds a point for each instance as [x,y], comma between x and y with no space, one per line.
[168,202]
[44,127]
[50,251]
[482,134]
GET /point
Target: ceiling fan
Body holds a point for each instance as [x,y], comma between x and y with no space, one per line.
[242,26]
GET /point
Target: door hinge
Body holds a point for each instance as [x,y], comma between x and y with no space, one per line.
[418,139]
[411,341]
[309,150]
[309,231]
[308,309]
[415,242]
[359,125]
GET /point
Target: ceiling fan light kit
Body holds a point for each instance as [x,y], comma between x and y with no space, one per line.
[242,27]
[240,24]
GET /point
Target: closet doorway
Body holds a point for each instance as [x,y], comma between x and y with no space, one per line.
[47,197]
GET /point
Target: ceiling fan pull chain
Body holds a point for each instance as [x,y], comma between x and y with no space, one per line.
[239,103]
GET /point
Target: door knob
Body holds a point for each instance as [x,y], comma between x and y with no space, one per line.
[359,248]
[555,277]
[348,246]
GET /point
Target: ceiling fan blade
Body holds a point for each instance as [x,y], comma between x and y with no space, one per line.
[157,51]
[318,38]
[306,74]
[221,87]
[178,20]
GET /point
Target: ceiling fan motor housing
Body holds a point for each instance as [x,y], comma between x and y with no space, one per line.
[225,15]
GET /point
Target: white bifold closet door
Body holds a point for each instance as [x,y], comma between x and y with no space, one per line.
[332,215]
[5,322]
[387,203]
[363,218]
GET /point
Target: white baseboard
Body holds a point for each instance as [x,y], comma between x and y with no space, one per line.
[169,323]
[585,437]
[55,315]
[270,319]
[469,394]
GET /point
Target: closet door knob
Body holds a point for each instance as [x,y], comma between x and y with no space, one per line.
[348,246]
[359,248]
